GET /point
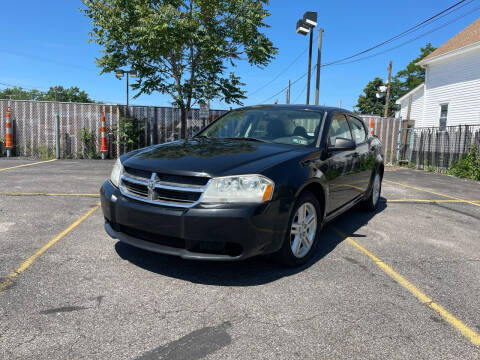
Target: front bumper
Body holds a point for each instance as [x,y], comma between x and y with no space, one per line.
[220,232]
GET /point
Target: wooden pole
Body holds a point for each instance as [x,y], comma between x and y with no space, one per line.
[387,98]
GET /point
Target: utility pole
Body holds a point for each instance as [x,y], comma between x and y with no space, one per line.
[309,66]
[288,92]
[319,61]
[387,98]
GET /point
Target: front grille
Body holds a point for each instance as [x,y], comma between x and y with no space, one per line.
[185,180]
[173,195]
[165,189]
[167,178]
[135,188]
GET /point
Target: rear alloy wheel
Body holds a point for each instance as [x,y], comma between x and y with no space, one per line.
[371,202]
[303,231]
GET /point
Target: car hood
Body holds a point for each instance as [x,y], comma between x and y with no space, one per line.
[209,157]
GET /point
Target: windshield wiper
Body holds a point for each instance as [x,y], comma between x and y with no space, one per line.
[245,138]
[204,137]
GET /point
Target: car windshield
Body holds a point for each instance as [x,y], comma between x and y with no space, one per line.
[277,125]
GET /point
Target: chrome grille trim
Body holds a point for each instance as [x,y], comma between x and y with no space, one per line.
[181,203]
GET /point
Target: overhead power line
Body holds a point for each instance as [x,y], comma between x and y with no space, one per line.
[291,84]
[20,86]
[408,41]
[281,72]
[300,95]
[47,60]
[403,33]
[410,30]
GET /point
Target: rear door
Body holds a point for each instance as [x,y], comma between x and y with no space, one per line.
[341,171]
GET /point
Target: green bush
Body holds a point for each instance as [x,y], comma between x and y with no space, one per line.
[44,152]
[469,166]
[130,133]
[89,147]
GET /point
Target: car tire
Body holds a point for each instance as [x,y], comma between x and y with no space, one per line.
[302,235]
[373,197]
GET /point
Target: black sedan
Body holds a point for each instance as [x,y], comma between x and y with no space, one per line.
[259,180]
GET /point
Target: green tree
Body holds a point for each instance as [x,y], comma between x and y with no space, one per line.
[413,74]
[18,93]
[71,94]
[404,81]
[368,103]
[54,93]
[182,47]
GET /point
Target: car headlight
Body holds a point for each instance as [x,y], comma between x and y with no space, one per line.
[116,172]
[238,189]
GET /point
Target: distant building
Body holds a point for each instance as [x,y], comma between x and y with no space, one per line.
[451,92]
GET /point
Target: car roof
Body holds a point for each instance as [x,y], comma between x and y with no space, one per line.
[297,107]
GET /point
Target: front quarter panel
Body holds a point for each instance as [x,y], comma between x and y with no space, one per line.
[292,177]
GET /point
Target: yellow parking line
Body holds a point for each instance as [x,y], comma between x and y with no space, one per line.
[429,200]
[30,164]
[45,194]
[466,331]
[26,264]
[432,192]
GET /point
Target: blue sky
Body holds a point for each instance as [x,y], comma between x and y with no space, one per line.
[45,44]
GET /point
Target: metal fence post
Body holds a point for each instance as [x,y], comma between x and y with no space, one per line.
[57,135]
[399,139]
[151,131]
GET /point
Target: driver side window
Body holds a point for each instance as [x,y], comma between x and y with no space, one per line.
[339,129]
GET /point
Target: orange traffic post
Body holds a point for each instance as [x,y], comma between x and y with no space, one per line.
[371,126]
[8,133]
[103,138]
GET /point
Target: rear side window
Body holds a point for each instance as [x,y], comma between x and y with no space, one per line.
[339,129]
[358,130]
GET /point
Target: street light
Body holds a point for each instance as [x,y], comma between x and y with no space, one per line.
[119,73]
[305,26]
[302,27]
[310,17]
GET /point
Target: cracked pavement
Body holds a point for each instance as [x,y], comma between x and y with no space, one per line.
[90,297]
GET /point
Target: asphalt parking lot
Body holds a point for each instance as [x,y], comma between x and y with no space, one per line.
[402,283]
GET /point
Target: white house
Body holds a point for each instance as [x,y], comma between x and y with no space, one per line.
[451,92]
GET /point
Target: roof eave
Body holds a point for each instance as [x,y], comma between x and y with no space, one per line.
[411,92]
[425,62]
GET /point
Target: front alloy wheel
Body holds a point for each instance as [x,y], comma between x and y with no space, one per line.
[303,230]
[302,234]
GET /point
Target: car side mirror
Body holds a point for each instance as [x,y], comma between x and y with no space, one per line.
[342,144]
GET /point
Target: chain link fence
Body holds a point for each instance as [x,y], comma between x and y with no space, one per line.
[34,127]
[79,125]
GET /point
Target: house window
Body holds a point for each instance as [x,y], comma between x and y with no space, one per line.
[443,116]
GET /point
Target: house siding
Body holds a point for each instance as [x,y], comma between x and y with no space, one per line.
[416,111]
[454,81]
